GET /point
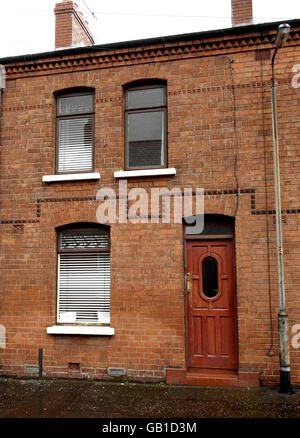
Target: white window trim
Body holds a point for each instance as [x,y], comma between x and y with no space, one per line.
[80,330]
[71,177]
[144,172]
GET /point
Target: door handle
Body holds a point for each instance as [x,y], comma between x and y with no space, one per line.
[188,282]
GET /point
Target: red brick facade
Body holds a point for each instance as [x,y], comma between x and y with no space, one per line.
[219,138]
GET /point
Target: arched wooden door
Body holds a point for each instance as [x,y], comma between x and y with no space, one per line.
[211,304]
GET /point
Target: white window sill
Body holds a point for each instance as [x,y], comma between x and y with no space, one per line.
[71,177]
[144,172]
[80,330]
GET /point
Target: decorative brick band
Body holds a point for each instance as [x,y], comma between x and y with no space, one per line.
[84,198]
[110,99]
[20,221]
[25,108]
[254,84]
[119,100]
[206,193]
[271,212]
[117,57]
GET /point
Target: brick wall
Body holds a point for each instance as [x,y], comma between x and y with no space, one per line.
[219,138]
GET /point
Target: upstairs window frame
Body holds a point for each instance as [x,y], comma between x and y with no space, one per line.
[74,115]
[143,110]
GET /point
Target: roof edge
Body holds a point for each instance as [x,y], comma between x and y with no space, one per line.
[230,31]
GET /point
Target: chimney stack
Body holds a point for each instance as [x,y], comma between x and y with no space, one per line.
[71,29]
[241,12]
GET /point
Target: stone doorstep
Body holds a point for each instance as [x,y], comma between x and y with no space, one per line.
[216,378]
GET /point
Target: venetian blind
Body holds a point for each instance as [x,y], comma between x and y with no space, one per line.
[84,286]
[75,137]
[84,277]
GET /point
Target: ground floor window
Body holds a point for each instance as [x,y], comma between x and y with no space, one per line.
[83,275]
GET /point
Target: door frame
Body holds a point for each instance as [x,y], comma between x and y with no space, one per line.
[186,238]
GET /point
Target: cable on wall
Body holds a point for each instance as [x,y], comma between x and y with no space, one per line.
[236,139]
[270,350]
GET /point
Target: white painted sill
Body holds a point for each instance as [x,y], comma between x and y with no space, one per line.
[80,330]
[144,172]
[71,177]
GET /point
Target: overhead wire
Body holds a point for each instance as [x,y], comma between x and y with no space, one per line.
[140,14]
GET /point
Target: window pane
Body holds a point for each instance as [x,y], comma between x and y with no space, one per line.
[76,104]
[85,239]
[146,139]
[210,277]
[75,144]
[148,97]
[84,286]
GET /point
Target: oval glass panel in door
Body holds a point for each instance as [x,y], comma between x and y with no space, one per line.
[210,277]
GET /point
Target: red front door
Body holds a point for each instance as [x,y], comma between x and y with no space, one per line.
[210,305]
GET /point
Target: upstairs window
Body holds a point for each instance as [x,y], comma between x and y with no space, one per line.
[84,275]
[146,127]
[75,132]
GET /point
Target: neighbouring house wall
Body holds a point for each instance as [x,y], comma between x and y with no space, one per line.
[219,138]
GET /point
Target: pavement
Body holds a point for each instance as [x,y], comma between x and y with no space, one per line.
[33,398]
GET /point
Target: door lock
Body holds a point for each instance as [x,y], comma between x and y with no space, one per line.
[188,282]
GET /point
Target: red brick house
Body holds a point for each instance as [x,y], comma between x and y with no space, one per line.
[185,111]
